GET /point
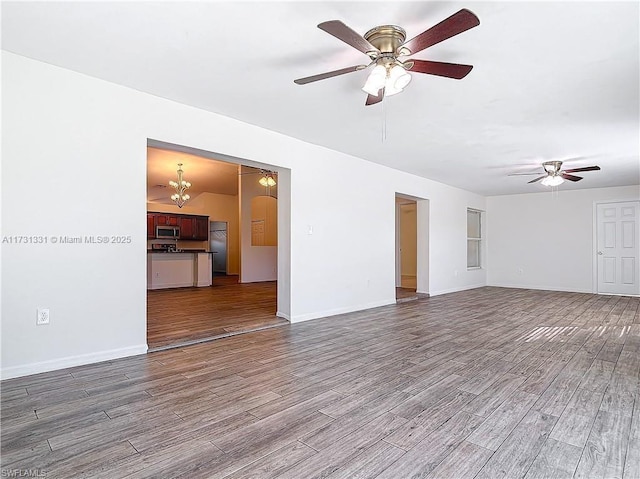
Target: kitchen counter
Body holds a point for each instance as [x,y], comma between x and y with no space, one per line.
[178,269]
[199,251]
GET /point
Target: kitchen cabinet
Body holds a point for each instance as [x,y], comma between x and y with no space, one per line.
[151,226]
[166,219]
[202,228]
[177,270]
[192,227]
[187,227]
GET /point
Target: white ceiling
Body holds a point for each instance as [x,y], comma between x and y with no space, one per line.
[551,80]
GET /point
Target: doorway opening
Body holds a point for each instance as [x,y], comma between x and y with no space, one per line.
[412,248]
[407,250]
[236,286]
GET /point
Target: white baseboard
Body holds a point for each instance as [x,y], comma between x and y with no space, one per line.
[280,314]
[259,280]
[71,361]
[456,290]
[171,285]
[334,312]
[620,294]
[562,289]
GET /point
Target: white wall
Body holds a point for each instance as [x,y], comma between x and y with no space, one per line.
[422,256]
[545,240]
[62,128]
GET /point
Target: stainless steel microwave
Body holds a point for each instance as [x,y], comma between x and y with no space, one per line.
[167,232]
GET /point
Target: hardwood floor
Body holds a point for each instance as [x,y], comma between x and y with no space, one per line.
[406,294]
[407,289]
[188,315]
[486,383]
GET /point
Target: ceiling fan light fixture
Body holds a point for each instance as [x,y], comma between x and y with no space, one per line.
[398,77]
[384,45]
[267,180]
[376,80]
[396,80]
[393,79]
[552,180]
[552,167]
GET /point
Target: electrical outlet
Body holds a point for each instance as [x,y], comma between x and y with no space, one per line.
[43,316]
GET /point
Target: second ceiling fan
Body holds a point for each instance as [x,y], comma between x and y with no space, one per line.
[555,175]
[386,43]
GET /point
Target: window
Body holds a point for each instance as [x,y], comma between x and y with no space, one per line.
[474,238]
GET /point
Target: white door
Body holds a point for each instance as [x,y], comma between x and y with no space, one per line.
[617,232]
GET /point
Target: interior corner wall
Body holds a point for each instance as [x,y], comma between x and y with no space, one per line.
[62,128]
[422,220]
[284,244]
[545,240]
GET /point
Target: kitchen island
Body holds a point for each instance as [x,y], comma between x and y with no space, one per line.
[178,269]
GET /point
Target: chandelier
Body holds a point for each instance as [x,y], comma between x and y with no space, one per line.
[180,197]
[267,179]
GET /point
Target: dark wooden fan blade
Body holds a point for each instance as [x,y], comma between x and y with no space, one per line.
[335,73]
[586,168]
[571,177]
[538,179]
[457,23]
[449,70]
[372,100]
[347,35]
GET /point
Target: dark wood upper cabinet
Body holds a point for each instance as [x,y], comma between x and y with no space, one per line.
[187,227]
[151,226]
[191,227]
[165,219]
[202,228]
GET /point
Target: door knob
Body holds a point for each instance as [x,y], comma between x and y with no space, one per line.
[600,253]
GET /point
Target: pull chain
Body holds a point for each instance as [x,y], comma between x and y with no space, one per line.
[384,120]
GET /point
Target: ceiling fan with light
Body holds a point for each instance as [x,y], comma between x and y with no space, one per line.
[268,177]
[385,45]
[555,175]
